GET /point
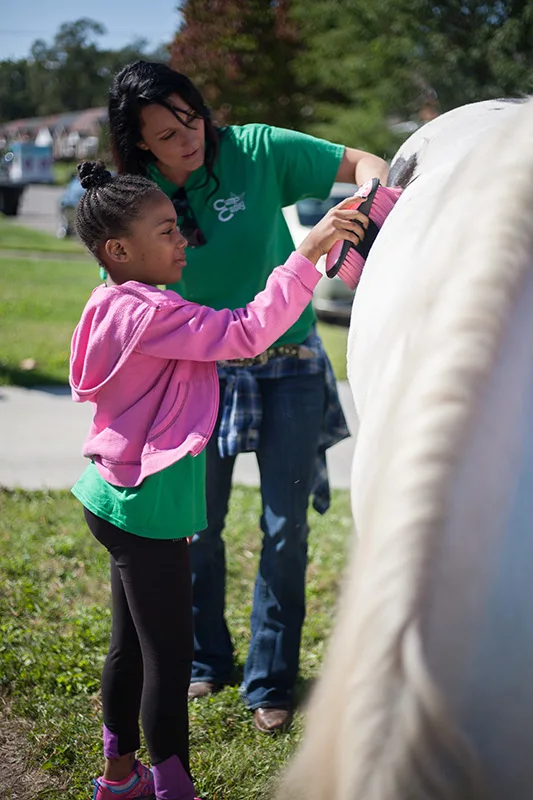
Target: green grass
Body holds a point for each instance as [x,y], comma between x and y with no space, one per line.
[40,304]
[17,237]
[41,299]
[63,171]
[54,632]
[335,338]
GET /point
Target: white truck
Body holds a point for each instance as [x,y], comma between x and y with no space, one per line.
[22,163]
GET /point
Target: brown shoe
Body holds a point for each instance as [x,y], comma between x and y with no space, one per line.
[270,720]
[200,689]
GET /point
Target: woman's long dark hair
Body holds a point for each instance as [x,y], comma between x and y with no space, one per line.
[140,84]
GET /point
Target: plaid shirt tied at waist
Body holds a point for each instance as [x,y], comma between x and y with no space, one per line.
[241,411]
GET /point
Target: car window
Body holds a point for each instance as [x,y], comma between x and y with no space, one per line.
[310,211]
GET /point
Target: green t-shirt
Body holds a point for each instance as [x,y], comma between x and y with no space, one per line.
[261,169]
[167,505]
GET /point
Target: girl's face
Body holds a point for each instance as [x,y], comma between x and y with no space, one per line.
[179,149]
[154,250]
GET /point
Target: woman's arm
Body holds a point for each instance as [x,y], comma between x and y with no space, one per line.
[358,166]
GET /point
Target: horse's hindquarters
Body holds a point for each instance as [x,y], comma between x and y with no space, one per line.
[478,623]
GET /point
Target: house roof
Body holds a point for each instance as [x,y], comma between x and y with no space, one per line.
[86,122]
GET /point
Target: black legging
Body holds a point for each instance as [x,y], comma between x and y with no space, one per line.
[148,666]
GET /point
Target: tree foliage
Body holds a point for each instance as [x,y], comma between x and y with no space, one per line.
[475,50]
[69,74]
[369,63]
[240,54]
[342,69]
[353,63]
[16,97]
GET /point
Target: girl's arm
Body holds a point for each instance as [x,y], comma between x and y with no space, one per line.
[198,333]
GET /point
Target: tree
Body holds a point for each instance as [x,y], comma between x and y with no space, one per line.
[240,54]
[475,50]
[353,62]
[288,63]
[342,69]
[369,63]
[16,97]
[66,73]
[70,74]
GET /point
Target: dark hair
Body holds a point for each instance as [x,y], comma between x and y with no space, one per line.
[110,204]
[143,83]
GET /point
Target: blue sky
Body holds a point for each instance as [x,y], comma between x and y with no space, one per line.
[23,21]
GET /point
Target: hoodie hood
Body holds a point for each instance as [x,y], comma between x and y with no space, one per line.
[110,327]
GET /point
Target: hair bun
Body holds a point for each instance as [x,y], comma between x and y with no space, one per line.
[93,174]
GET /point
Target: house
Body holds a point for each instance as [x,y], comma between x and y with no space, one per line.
[73,135]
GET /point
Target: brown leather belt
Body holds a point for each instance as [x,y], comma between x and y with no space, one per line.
[292,350]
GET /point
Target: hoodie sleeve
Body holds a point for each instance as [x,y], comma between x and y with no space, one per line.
[111,324]
[199,333]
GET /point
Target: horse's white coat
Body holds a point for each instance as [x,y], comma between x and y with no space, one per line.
[427,683]
[386,315]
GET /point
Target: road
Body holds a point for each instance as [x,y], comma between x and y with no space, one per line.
[42,431]
[39,208]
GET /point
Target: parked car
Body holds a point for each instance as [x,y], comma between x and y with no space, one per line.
[332,299]
[68,201]
[22,164]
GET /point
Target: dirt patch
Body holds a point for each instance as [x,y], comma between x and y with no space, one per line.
[19,778]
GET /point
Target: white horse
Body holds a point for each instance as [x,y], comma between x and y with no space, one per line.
[426,691]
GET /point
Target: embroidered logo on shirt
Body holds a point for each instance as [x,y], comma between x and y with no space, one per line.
[229,207]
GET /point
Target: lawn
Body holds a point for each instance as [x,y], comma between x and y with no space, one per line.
[54,608]
[335,339]
[17,237]
[54,627]
[40,303]
[63,171]
[41,298]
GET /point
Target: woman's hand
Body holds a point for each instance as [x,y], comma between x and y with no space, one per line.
[340,222]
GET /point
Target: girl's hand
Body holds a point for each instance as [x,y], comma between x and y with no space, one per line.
[340,222]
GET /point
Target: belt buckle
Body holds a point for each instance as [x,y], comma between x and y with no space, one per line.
[305,352]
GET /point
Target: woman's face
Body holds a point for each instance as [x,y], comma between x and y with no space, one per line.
[179,149]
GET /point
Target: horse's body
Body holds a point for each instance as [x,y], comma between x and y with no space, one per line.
[427,687]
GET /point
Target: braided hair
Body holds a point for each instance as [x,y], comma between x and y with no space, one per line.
[110,204]
[144,83]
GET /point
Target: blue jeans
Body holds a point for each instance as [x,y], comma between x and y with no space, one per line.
[292,416]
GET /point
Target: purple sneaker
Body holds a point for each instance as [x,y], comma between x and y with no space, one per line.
[138,784]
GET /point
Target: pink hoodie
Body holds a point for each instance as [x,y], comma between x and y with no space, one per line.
[146,360]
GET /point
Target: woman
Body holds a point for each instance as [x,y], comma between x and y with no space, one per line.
[229,186]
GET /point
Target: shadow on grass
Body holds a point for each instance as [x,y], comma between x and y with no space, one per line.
[302,689]
[30,379]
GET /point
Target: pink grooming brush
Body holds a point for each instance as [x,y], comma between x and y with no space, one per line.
[347,260]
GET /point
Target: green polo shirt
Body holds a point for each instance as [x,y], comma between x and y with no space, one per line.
[261,169]
[167,505]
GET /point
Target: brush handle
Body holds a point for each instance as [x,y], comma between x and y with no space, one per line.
[363,205]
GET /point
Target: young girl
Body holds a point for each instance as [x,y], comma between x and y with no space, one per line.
[229,186]
[146,359]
